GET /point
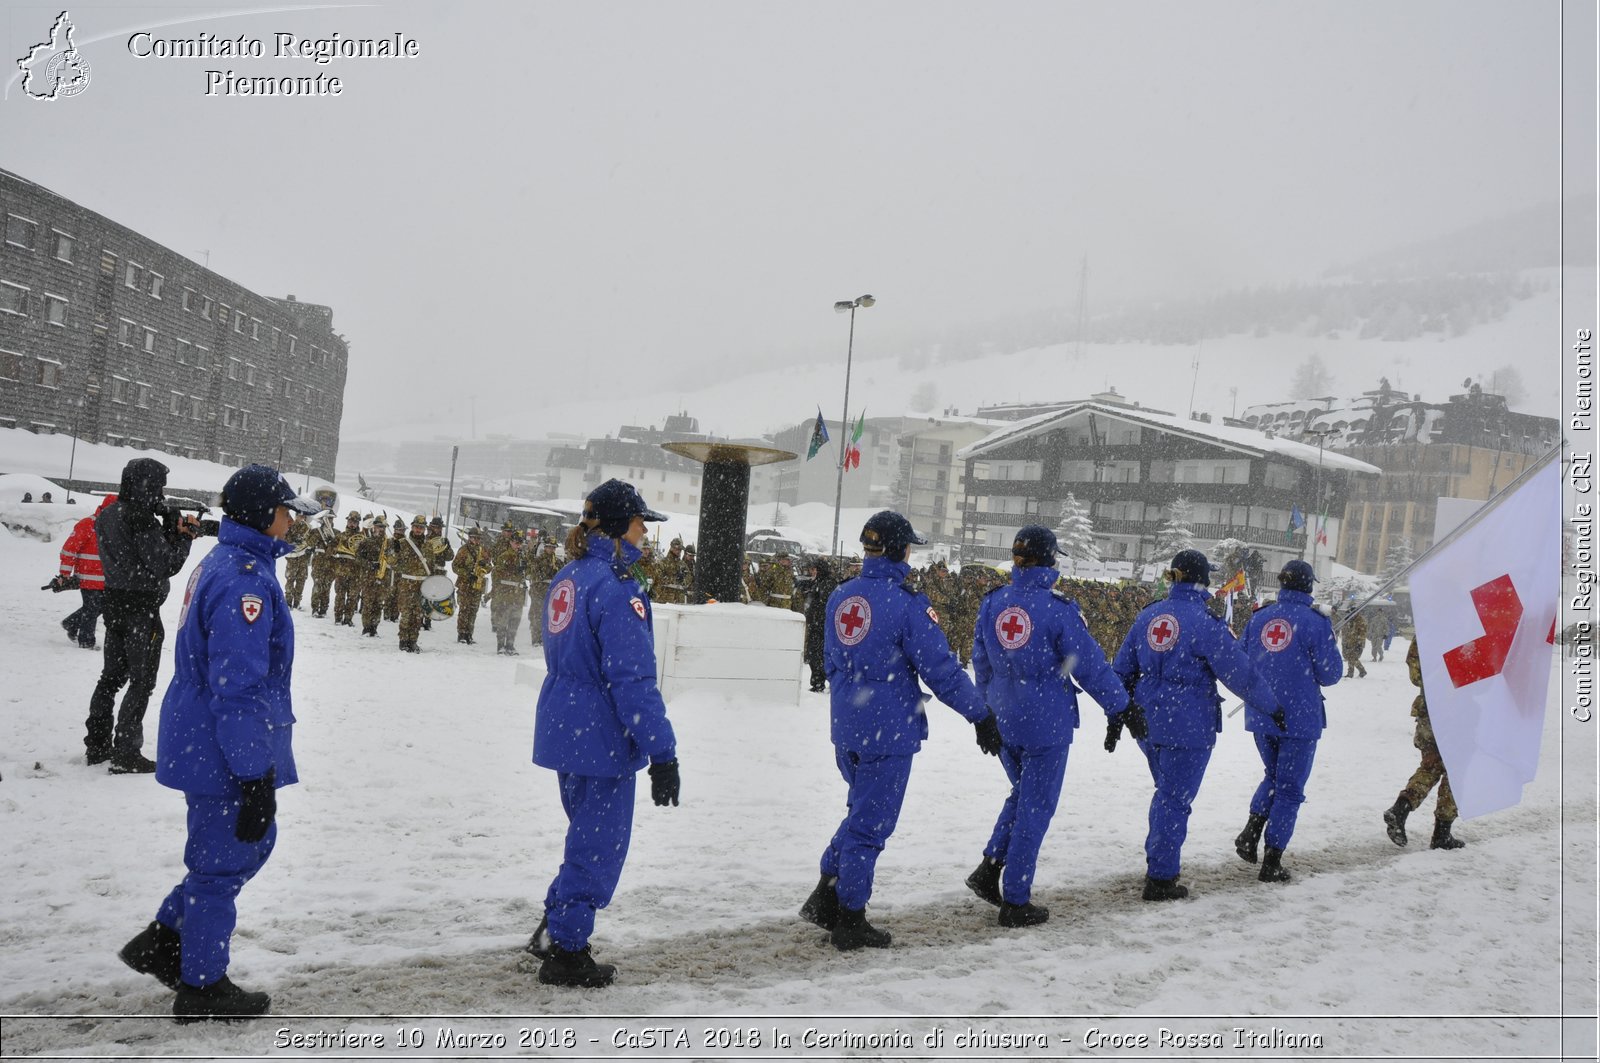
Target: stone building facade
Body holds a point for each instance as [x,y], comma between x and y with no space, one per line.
[107,333]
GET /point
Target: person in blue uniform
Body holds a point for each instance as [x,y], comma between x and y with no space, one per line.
[1170,662]
[225,740]
[881,638]
[600,719]
[1293,647]
[1029,640]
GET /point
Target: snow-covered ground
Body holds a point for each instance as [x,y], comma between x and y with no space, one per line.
[414,855]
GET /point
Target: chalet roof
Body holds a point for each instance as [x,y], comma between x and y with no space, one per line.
[1243,440]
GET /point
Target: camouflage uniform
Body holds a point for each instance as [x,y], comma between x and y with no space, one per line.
[391,608]
[688,574]
[471,565]
[322,564]
[673,573]
[510,582]
[347,574]
[439,553]
[375,558]
[1352,641]
[777,583]
[1429,773]
[542,568]
[644,570]
[299,562]
[961,621]
[412,567]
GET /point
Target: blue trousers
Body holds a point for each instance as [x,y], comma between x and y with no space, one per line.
[201,908]
[872,808]
[1178,773]
[599,828]
[1035,776]
[1283,787]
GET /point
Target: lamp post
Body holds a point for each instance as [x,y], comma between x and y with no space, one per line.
[844,421]
[1322,435]
[77,417]
[307,464]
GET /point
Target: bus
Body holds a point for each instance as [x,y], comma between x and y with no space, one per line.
[490,512]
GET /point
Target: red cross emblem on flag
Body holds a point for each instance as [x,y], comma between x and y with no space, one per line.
[558,614]
[852,620]
[250,606]
[1277,635]
[1162,632]
[1013,627]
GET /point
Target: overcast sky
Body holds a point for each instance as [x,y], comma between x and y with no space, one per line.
[589,195]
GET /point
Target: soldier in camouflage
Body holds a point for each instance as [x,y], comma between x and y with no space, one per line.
[412,567]
[688,573]
[1428,774]
[375,558]
[391,608]
[510,584]
[672,574]
[471,565]
[299,562]
[322,563]
[542,568]
[346,572]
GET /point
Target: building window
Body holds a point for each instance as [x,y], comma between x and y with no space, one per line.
[249,375]
[194,407]
[205,307]
[230,417]
[202,356]
[188,299]
[157,282]
[176,407]
[20,231]
[276,333]
[49,374]
[13,298]
[233,368]
[287,393]
[10,365]
[150,341]
[238,323]
[142,394]
[125,331]
[185,352]
[55,309]
[66,247]
[255,329]
[130,276]
[119,389]
[292,342]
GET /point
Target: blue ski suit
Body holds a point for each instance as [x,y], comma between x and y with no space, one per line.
[226,717]
[1170,661]
[600,719]
[1028,640]
[881,636]
[1293,647]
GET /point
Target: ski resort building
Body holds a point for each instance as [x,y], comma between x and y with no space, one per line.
[1130,465]
[108,334]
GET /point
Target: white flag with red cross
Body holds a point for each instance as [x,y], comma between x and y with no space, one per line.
[1485,608]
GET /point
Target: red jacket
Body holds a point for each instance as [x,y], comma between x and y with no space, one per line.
[80,554]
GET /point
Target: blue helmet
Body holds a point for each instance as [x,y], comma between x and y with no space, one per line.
[890,533]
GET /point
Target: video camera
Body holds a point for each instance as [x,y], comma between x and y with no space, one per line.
[62,583]
[172,516]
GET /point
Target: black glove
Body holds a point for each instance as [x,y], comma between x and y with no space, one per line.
[258,807]
[1113,731]
[988,730]
[1281,720]
[664,783]
[1134,718]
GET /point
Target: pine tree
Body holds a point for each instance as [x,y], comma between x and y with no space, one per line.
[1398,556]
[1176,532]
[1075,533]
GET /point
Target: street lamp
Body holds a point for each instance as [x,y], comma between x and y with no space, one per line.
[77,415]
[307,464]
[438,487]
[1322,435]
[840,307]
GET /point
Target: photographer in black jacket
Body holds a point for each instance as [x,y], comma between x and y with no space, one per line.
[143,544]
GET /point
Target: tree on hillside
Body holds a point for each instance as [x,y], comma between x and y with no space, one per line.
[1397,557]
[1075,533]
[1176,532]
[1311,379]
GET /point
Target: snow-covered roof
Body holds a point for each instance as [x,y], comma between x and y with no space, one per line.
[1247,440]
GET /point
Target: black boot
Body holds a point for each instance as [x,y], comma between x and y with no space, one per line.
[97,755]
[1026,914]
[540,944]
[853,931]
[1272,869]
[1164,889]
[158,952]
[1249,838]
[985,880]
[1394,820]
[822,907]
[219,1000]
[1442,838]
[575,969]
[134,763]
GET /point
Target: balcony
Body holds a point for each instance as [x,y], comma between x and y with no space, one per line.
[1204,534]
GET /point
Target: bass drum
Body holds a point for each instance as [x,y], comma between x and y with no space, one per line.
[438,597]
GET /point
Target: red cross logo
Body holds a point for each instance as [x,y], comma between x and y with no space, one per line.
[852,620]
[1162,632]
[1013,627]
[558,614]
[250,605]
[1499,611]
[1277,635]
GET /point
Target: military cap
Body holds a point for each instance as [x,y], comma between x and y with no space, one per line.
[474,532]
[380,522]
[508,528]
[419,521]
[437,521]
[354,516]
